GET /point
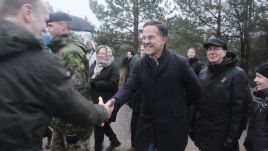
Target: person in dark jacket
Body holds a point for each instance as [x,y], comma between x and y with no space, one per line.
[90,52]
[135,102]
[194,62]
[34,86]
[257,134]
[222,111]
[167,85]
[126,63]
[104,75]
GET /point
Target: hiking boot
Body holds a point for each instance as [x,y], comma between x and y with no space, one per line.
[114,144]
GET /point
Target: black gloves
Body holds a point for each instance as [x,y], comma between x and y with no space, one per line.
[230,144]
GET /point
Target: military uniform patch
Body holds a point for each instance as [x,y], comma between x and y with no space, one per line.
[77,80]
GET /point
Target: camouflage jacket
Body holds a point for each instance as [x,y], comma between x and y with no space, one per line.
[71,53]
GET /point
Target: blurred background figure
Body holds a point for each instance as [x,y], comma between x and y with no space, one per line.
[194,62]
[91,53]
[134,104]
[104,75]
[46,39]
[126,63]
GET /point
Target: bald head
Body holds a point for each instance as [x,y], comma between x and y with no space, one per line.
[12,7]
[29,14]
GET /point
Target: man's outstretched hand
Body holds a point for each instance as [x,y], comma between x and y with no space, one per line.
[109,105]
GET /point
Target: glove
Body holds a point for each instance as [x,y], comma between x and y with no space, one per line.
[230,144]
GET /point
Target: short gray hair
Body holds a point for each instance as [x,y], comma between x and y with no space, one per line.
[11,7]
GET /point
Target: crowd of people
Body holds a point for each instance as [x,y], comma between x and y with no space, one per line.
[69,87]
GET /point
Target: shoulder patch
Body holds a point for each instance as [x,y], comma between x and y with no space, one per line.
[77,80]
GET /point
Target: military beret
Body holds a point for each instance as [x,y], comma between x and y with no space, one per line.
[263,69]
[59,16]
[215,42]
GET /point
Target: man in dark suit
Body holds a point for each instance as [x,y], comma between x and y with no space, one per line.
[168,86]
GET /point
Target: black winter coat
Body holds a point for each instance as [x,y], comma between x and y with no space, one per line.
[105,84]
[166,90]
[257,134]
[34,87]
[222,111]
[196,64]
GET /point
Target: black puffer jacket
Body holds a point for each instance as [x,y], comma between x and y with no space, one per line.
[196,64]
[222,110]
[33,88]
[257,136]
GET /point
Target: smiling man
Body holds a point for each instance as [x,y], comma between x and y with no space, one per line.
[167,85]
[222,111]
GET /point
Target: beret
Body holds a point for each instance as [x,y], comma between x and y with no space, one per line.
[59,16]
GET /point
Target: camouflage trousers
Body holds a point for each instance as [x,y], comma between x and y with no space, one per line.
[59,143]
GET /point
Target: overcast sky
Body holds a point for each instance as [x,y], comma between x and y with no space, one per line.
[75,7]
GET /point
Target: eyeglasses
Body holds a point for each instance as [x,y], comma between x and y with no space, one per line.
[210,49]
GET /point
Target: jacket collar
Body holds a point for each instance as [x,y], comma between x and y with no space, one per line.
[15,39]
[63,40]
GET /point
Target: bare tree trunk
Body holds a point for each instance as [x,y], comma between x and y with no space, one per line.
[245,39]
[136,26]
[218,32]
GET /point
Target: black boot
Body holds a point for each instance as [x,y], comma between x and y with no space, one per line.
[98,148]
[114,143]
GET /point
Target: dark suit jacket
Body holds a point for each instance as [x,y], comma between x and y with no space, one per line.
[166,90]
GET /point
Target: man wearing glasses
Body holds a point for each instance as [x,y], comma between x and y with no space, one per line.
[222,110]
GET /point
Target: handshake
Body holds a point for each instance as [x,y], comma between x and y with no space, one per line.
[109,105]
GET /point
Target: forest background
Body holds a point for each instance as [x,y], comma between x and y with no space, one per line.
[243,24]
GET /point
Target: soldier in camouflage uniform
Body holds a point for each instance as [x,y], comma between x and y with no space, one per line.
[71,53]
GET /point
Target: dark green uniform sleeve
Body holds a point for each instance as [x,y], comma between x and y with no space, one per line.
[74,59]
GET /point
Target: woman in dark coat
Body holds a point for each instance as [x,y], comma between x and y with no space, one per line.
[257,134]
[104,82]
[196,64]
